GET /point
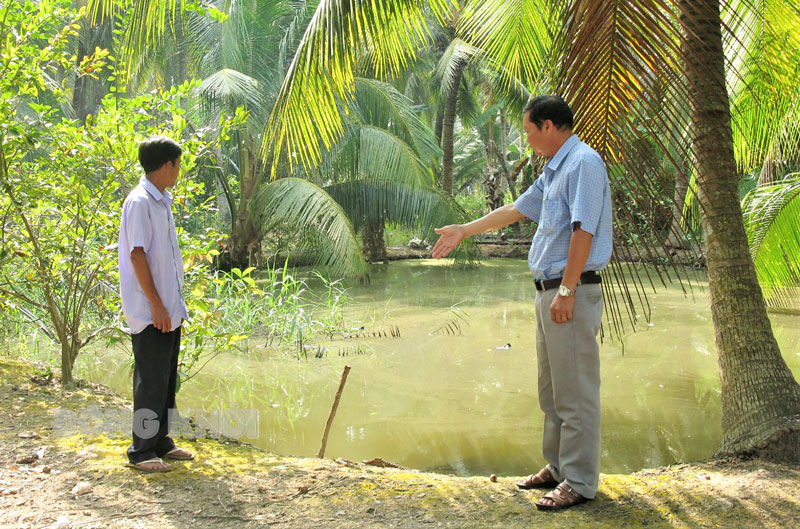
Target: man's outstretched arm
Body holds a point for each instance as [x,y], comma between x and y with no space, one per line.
[453,234]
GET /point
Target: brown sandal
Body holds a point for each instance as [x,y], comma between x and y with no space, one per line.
[563,497]
[542,480]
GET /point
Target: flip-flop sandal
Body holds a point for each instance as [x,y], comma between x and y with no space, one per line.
[563,497]
[541,480]
[175,453]
[140,465]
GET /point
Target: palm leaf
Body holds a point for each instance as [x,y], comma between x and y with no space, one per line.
[620,71]
[772,217]
[763,48]
[306,117]
[150,22]
[470,160]
[411,206]
[305,205]
[380,104]
[457,52]
[515,35]
[229,87]
[384,155]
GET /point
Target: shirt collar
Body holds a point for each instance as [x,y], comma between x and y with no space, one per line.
[562,153]
[154,192]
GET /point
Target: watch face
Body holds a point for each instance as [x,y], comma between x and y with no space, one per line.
[564,291]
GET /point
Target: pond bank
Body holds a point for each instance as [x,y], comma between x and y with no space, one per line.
[519,250]
[45,477]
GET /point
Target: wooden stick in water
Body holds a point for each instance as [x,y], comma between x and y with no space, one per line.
[333,412]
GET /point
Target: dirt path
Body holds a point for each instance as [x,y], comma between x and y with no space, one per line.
[47,479]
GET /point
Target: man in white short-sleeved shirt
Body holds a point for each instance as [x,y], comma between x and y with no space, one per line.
[151,277]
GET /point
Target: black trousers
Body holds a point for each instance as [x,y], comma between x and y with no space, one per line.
[154,378]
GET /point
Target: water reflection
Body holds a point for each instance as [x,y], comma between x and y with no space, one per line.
[460,401]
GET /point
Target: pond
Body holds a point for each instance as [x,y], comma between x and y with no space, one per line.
[449,395]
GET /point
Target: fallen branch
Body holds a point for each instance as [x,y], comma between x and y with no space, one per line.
[321,453]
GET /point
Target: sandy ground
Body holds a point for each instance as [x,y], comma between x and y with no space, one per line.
[49,480]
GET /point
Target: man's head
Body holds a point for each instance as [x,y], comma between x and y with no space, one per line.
[547,122]
[160,157]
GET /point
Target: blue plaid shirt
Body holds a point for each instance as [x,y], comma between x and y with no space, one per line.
[572,188]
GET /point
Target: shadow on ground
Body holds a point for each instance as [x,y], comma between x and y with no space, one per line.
[234,485]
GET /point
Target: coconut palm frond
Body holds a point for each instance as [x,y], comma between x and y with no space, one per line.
[456,54]
[516,35]
[306,117]
[764,83]
[390,201]
[341,162]
[508,90]
[771,218]
[384,155]
[618,65]
[232,88]
[382,105]
[150,21]
[468,105]
[293,31]
[783,155]
[470,161]
[300,203]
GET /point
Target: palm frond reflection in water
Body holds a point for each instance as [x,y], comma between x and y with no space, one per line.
[452,325]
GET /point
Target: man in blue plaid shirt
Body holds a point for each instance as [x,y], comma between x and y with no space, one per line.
[571,204]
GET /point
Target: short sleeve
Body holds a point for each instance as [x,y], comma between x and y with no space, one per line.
[138,226]
[530,202]
[587,192]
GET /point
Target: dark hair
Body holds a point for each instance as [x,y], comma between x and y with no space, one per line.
[156,151]
[554,108]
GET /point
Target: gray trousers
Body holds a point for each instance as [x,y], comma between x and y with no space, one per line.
[569,388]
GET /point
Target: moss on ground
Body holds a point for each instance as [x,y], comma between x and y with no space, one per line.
[235,485]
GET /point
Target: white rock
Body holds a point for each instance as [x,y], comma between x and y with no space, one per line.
[83,487]
[61,523]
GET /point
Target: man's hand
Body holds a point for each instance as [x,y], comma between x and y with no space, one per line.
[161,319]
[450,237]
[561,308]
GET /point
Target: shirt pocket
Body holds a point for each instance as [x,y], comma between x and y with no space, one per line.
[554,210]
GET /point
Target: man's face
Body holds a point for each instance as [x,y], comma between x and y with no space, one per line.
[174,170]
[537,137]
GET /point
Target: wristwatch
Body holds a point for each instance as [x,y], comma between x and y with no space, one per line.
[565,291]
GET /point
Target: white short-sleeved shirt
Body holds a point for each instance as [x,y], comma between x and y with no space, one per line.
[147,221]
[573,187]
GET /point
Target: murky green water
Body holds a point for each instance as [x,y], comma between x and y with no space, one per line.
[435,400]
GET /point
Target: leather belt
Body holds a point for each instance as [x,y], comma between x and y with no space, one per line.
[591,277]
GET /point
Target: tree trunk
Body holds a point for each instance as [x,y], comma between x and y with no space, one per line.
[493,182]
[67,361]
[448,123]
[244,240]
[438,126]
[760,398]
[492,179]
[374,245]
[677,237]
[505,129]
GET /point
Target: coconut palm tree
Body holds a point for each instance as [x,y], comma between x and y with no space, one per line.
[621,65]
[760,398]
[615,62]
[378,173]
